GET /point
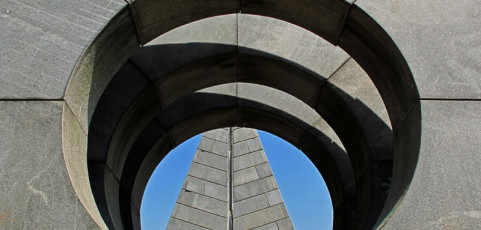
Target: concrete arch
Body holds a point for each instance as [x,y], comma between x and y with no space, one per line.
[126,126]
[58,57]
[384,63]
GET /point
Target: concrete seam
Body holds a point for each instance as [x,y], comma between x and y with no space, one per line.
[201,209]
[345,22]
[76,119]
[230,190]
[214,139]
[31,99]
[189,222]
[260,178]
[209,166]
[270,206]
[244,140]
[146,76]
[449,99]
[202,195]
[256,195]
[131,14]
[339,68]
[207,180]
[212,153]
[112,172]
[70,178]
[394,129]
[265,162]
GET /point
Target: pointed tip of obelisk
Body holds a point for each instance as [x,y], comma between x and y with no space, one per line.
[230,185]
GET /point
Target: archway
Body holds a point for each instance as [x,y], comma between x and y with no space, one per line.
[379,62]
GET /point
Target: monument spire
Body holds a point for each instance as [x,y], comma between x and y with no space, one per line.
[230,185]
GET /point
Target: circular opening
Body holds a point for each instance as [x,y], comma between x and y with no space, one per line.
[135,108]
[304,191]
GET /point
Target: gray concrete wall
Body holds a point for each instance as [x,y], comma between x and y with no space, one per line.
[42,43]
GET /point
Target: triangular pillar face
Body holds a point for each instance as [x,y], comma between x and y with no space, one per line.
[230,185]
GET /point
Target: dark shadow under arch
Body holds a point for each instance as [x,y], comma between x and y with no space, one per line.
[355,32]
[144,104]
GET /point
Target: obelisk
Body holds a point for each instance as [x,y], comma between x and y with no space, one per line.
[230,185]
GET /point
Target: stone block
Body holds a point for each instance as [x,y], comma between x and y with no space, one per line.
[260,96]
[249,160]
[206,144]
[260,218]
[202,218]
[211,160]
[210,205]
[220,148]
[155,18]
[254,188]
[196,170]
[245,176]
[263,170]
[218,135]
[254,144]
[250,205]
[215,176]
[274,197]
[360,94]
[240,148]
[187,44]
[291,42]
[285,224]
[243,134]
[206,188]
[186,197]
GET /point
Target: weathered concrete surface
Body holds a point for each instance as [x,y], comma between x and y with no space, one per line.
[36,189]
[445,190]
[290,42]
[42,41]
[440,41]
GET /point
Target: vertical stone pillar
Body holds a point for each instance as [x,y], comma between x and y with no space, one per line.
[230,185]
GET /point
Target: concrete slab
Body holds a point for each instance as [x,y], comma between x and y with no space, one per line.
[41,43]
[445,189]
[440,42]
[36,187]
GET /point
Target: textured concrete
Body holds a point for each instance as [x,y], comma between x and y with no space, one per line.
[445,190]
[67,52]
[439,40]
[290,42]
[42,42]
[35,190]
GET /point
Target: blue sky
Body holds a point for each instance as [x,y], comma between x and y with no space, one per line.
[302,187]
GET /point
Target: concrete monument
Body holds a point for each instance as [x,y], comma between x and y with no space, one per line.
[383,96]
